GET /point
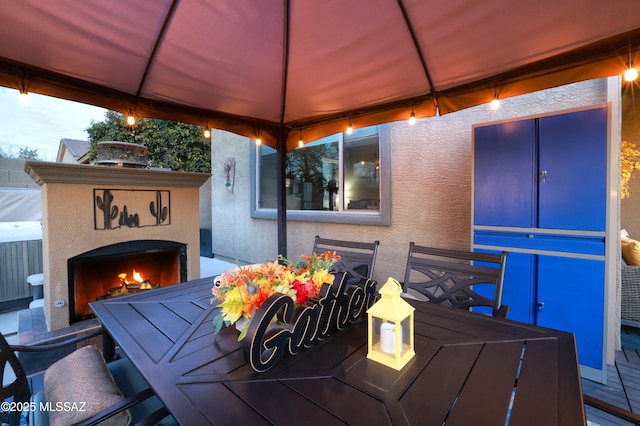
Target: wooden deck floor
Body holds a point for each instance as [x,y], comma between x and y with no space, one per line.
[623,381]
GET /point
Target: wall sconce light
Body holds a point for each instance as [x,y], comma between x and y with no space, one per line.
[390,328]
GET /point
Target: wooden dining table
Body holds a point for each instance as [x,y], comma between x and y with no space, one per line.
[469,369]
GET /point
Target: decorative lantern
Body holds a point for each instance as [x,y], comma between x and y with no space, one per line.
[391,328]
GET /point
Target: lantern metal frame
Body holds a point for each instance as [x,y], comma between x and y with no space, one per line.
[392,345]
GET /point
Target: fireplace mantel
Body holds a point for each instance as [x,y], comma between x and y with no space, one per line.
[46,172]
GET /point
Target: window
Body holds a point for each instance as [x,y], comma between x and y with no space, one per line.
[340,178]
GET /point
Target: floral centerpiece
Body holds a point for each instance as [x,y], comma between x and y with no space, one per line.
[240,293]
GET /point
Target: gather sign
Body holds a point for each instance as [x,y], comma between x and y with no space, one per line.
[299,327]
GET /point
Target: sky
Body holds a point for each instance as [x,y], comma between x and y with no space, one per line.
[42,122]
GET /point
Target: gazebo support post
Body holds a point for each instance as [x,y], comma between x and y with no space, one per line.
[281,136]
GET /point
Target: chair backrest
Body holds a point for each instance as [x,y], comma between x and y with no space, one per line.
[462,279]
[357,259]
[15,386]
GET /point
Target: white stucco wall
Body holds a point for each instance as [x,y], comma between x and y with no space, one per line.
[234,234]
[431,186]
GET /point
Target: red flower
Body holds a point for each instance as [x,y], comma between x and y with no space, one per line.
[304,291]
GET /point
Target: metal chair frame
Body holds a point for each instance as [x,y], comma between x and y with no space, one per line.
[19,391]
[358,259]
[451,276]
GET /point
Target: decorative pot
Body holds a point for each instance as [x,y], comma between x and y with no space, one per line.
[241,323]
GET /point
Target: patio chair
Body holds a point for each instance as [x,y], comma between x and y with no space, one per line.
[630,294]
[113,393]
[357,259]
[461,279]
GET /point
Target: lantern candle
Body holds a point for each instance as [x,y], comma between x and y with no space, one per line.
[388,337]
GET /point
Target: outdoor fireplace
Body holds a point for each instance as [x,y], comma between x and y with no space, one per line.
[120,269]
[97,219]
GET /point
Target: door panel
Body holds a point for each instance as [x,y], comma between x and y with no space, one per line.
[517,289]
[573,175]
[504,187]
[572,291]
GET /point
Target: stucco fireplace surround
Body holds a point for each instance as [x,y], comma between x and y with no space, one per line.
[89,209]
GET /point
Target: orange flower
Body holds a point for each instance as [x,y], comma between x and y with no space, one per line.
[256,300]
[271,271]
[327,255]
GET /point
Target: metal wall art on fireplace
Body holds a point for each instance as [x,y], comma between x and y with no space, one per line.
[130,208]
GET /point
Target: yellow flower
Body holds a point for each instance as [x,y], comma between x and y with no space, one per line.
[233,304]
[322,277]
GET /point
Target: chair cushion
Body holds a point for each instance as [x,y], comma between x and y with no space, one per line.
[82,378]
[631,251]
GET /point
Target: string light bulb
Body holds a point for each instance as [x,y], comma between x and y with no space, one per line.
[258,141]
[349,128]
[300,141]
[23,97]
[631,74]
[495,104]
[131,120]
[412,118]
[206,133]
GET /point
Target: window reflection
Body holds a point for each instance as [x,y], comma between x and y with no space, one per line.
[315,179]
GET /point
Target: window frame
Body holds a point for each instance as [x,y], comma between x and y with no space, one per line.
[356,217]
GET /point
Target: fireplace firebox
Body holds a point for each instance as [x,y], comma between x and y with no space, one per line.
[123,268]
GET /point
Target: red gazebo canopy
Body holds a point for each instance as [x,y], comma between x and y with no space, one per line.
[305,67]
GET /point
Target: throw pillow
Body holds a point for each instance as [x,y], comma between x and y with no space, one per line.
[631,251]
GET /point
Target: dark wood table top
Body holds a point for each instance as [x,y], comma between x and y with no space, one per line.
[468,369]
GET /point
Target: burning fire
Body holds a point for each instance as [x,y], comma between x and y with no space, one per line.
[139,282]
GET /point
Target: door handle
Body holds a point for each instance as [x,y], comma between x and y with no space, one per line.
[540,306]
[543,176]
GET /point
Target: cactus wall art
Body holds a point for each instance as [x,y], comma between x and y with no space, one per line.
[121,208]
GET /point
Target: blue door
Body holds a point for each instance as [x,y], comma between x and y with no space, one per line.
[573,171]
[571,294]
[504,177]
